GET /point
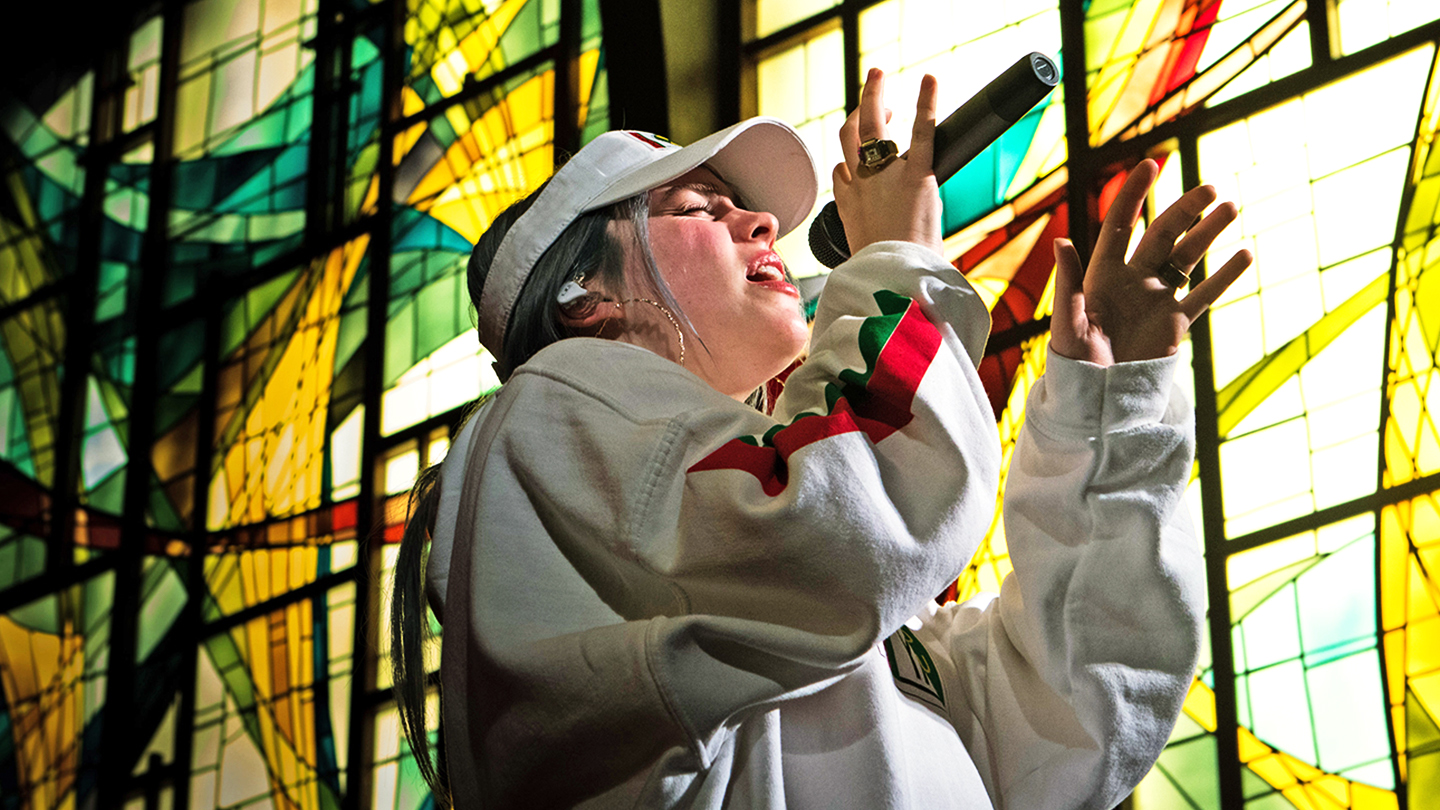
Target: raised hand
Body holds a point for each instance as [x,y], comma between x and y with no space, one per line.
[897,201]
[1119,311]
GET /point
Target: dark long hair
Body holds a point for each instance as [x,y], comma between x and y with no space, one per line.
[591,248]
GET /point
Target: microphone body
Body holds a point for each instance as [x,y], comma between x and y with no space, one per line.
[964,134]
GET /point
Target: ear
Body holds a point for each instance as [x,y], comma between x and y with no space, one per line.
[585,312]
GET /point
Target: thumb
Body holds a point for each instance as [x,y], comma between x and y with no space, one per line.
[1069,284]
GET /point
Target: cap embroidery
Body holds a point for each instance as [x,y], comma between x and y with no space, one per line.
[657,141]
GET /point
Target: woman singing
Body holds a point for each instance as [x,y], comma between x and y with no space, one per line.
[654,593]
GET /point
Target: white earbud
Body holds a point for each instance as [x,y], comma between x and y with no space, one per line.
[570,293]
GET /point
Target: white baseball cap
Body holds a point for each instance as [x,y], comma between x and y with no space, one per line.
[762,159]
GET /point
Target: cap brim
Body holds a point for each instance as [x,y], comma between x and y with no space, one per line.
[762,159]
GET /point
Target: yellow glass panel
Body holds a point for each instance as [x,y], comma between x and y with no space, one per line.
[256,705]
[274,398]
[1412,436]
[1290,54]
[1149,62]
[1362,23]
[453,40]
[1410,616]
[773,15]
[53,653]
[1318,208]
[505,154]
[401,469]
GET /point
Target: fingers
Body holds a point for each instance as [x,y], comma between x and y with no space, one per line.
[1207,291]
[1159,242]
[922,135]
[872,106]
[1120,219]
[864,121]
[1198,239]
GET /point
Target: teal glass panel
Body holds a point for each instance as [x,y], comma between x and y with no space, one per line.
[242,139]
[1309,681]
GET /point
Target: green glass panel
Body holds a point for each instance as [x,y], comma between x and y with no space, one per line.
[1251,785]
[1349,701]
[162,597]
[1271,632]
[1336,600]
[22,557]
[31,349]
[1280,712]
[1192,770]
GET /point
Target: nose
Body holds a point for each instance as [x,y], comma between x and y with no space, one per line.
[757,226]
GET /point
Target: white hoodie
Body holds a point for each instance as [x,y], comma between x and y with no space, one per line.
[663,598]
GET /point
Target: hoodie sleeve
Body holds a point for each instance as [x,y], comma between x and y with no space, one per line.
[1066,686]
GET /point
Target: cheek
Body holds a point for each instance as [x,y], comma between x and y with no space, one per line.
[689,264]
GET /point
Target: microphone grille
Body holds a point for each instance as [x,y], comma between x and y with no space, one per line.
[827,237]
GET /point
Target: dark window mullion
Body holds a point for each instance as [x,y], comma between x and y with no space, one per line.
[850,46]
[1080,162]
[121,701]
[78,303]
[567,81]
[1207,453]
[370,507]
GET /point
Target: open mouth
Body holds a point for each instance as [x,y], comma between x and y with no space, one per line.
[768,271]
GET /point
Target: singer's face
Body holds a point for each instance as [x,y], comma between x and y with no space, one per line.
[720,264]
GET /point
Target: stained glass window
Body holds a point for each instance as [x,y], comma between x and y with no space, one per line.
[234,324]
[232,332]
[1313,379]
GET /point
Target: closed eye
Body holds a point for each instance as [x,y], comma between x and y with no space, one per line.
[694,208]
[689,199]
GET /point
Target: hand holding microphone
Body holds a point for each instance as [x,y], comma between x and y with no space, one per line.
[957,140]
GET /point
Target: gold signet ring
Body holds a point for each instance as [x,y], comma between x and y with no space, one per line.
[877,152]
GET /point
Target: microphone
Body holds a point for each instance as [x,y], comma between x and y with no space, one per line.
[958,139]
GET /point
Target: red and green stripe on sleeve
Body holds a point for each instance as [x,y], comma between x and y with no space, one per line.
[898,346]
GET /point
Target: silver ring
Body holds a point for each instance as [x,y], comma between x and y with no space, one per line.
[1172,275]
